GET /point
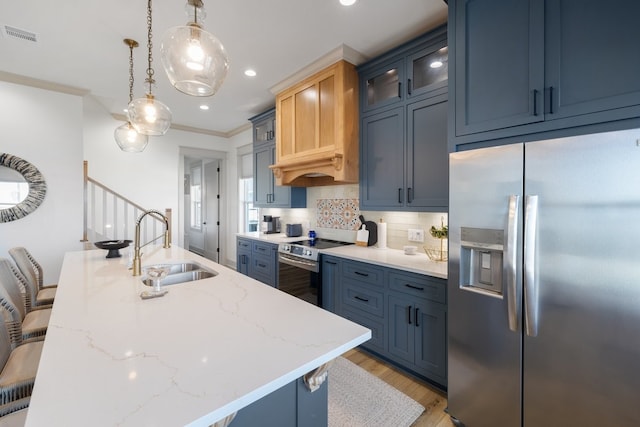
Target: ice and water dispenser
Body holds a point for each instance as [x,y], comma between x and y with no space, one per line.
[481,255]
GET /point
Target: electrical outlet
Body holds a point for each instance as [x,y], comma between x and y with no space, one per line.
[416,235]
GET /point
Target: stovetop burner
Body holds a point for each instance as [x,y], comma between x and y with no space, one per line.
[320,243]
[308,249]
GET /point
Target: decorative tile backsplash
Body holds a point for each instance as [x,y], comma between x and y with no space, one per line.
[341,214]
[334,212]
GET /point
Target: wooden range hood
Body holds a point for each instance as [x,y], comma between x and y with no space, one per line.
[317,129]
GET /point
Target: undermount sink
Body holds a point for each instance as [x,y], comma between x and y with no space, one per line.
[179,273]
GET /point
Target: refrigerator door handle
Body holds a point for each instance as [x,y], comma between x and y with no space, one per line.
[530,279]
[511,261]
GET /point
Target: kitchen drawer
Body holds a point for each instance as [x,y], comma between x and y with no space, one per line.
[265,249]
[357,296]
[378,339]
[426,287]
[244,244]
[262,269]
[363,272]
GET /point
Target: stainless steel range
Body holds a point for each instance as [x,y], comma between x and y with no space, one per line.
[299,268]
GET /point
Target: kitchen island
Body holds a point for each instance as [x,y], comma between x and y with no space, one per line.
[205,350]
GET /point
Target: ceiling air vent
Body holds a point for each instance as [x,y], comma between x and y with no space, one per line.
[17,33]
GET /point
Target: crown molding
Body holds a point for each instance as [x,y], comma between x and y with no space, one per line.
[42,84]
[227,135]
[342,52]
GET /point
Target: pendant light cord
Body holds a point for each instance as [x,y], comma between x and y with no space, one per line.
[150,71]
[130,72]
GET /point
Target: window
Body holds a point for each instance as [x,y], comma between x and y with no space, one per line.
[248,217]
[196,197]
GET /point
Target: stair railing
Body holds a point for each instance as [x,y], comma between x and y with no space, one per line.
[110,216]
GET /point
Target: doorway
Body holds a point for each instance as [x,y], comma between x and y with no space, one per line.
[203,206]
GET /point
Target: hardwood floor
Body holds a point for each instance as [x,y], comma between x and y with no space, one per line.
[433,400]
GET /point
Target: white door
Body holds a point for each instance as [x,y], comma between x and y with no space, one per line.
[211,211]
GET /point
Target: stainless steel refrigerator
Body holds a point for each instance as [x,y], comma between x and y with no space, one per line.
[544,283]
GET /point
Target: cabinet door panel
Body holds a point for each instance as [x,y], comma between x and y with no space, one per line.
[285,127]
[499,69]
[382,160]
[431,338]
[281,194]
[428,69]
[263,269]
[327,108]
[592,56]
[383,86]
[306,102]
[401,328]
[330,283]
[428,155]
[264,131]
[263,177]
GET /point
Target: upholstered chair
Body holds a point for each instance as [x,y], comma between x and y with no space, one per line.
[22,326]
[19,367]
[14,414]
[32,271]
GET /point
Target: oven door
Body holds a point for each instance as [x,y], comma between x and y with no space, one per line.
[300,278]
[298,262]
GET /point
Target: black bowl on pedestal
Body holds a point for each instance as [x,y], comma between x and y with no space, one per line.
[113,246]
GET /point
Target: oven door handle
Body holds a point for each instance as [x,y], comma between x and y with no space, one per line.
[307,265]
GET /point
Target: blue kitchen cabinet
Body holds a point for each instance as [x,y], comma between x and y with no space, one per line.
[405,311]
[258,260]
[415,68]
[404,158]
[266,194]
[403,144]
[382,160]
[330,275]
[427,155]
[417,323]
[264,127]
[527,66]
[243,255]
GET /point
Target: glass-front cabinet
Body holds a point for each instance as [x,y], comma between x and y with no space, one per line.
[417,68]
[384,86]
[264,130]
[427,70]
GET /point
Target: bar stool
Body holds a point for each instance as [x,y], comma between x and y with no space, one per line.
[22,325]
[19,367]
[14,414]
[32,271]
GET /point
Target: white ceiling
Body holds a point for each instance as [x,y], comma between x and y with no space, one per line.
[80,45]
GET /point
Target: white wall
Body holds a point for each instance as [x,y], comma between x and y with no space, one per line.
[45,128]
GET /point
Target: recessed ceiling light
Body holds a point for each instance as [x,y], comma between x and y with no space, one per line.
[250,73]
[347,2]
[436,64]
[204,107]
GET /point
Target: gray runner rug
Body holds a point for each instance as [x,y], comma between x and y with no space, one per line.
[359,399]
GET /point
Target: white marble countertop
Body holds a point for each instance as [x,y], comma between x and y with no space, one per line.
[203,351]
[272,238]
[418,263]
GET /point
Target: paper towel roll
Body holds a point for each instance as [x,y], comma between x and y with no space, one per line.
[382,235]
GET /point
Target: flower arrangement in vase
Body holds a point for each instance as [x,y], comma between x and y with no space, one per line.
[441,233]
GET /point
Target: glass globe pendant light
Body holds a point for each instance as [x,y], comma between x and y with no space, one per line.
[195,61]
[127,138]
[148,115]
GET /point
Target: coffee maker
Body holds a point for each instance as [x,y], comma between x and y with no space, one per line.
[272,224]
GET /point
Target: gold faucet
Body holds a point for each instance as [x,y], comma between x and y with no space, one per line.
[137,261]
